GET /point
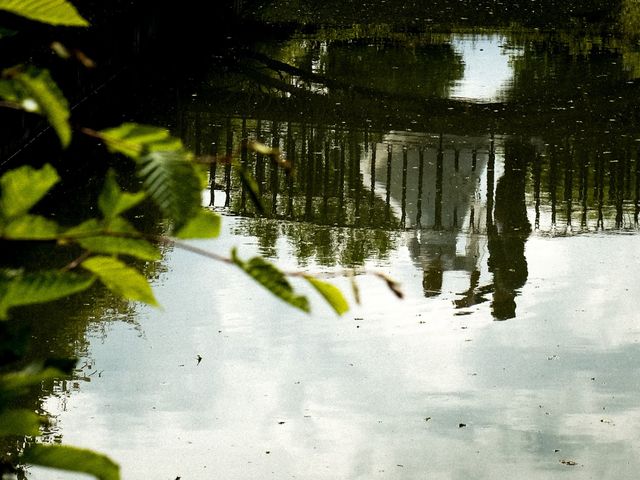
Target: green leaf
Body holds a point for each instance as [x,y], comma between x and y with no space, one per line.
[36,91]
[135,140]
[113,201]
[53,12]
[205,224]
[170,178]
[18,383]
[251,185]
[72,459]
[38,287]
[272,279]
[23,187]
[174,184]
[92,235]
[121,279]
[8,90]
[31,227]
[6,32]
[331,294]
[19,422]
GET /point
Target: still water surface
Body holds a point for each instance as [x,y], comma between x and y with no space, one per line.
[495,178]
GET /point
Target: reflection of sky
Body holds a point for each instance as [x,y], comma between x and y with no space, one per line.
[354,393]
[487,67]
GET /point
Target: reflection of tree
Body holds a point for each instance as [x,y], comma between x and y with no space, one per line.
[322,206]
[508,234]
[426,71]
[325,244]
[350,69]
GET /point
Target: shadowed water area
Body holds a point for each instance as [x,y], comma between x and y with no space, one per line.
[492,169]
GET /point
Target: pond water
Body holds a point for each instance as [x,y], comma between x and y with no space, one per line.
[495,176]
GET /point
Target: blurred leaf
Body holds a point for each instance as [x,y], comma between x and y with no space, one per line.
[393,285]
[60,50]
[35,90]
[72,459]
[23,187]
[331,294]
[92,235]
[272,279]
[19,422]
[135,140]
[355,289]
[14,384]
[38,287]
[31,227]
[113,201]
[65,365]
[273,153]
[205,224]
[84,59]
[251,185]
[8,90]
[121,279]
[53,12]
[261,148]
[174,184]
[6,32]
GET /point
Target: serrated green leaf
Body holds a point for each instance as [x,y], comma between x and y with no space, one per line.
[135,140]
[170,178]
[53,12]
[72,459]
[31,227]
[331,294]
[116,238]
[36,91]
[39,287]
[113,201]
[173,183]
[272,279]
[121,279]
[19,422]
[205,224]
[23,187]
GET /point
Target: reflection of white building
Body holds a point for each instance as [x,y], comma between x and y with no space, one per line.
[438,186]
[451,169]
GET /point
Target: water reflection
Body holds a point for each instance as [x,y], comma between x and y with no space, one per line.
[488,67]
[508,232]
[353,191]
[355,168]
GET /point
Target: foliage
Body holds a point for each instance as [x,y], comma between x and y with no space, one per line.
[53,12]
[110,246]
[272,279]
[33,90]
[74,460]
[331,294]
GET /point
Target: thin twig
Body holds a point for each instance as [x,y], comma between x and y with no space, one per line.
[12,105]
[76,263]
[190,248]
